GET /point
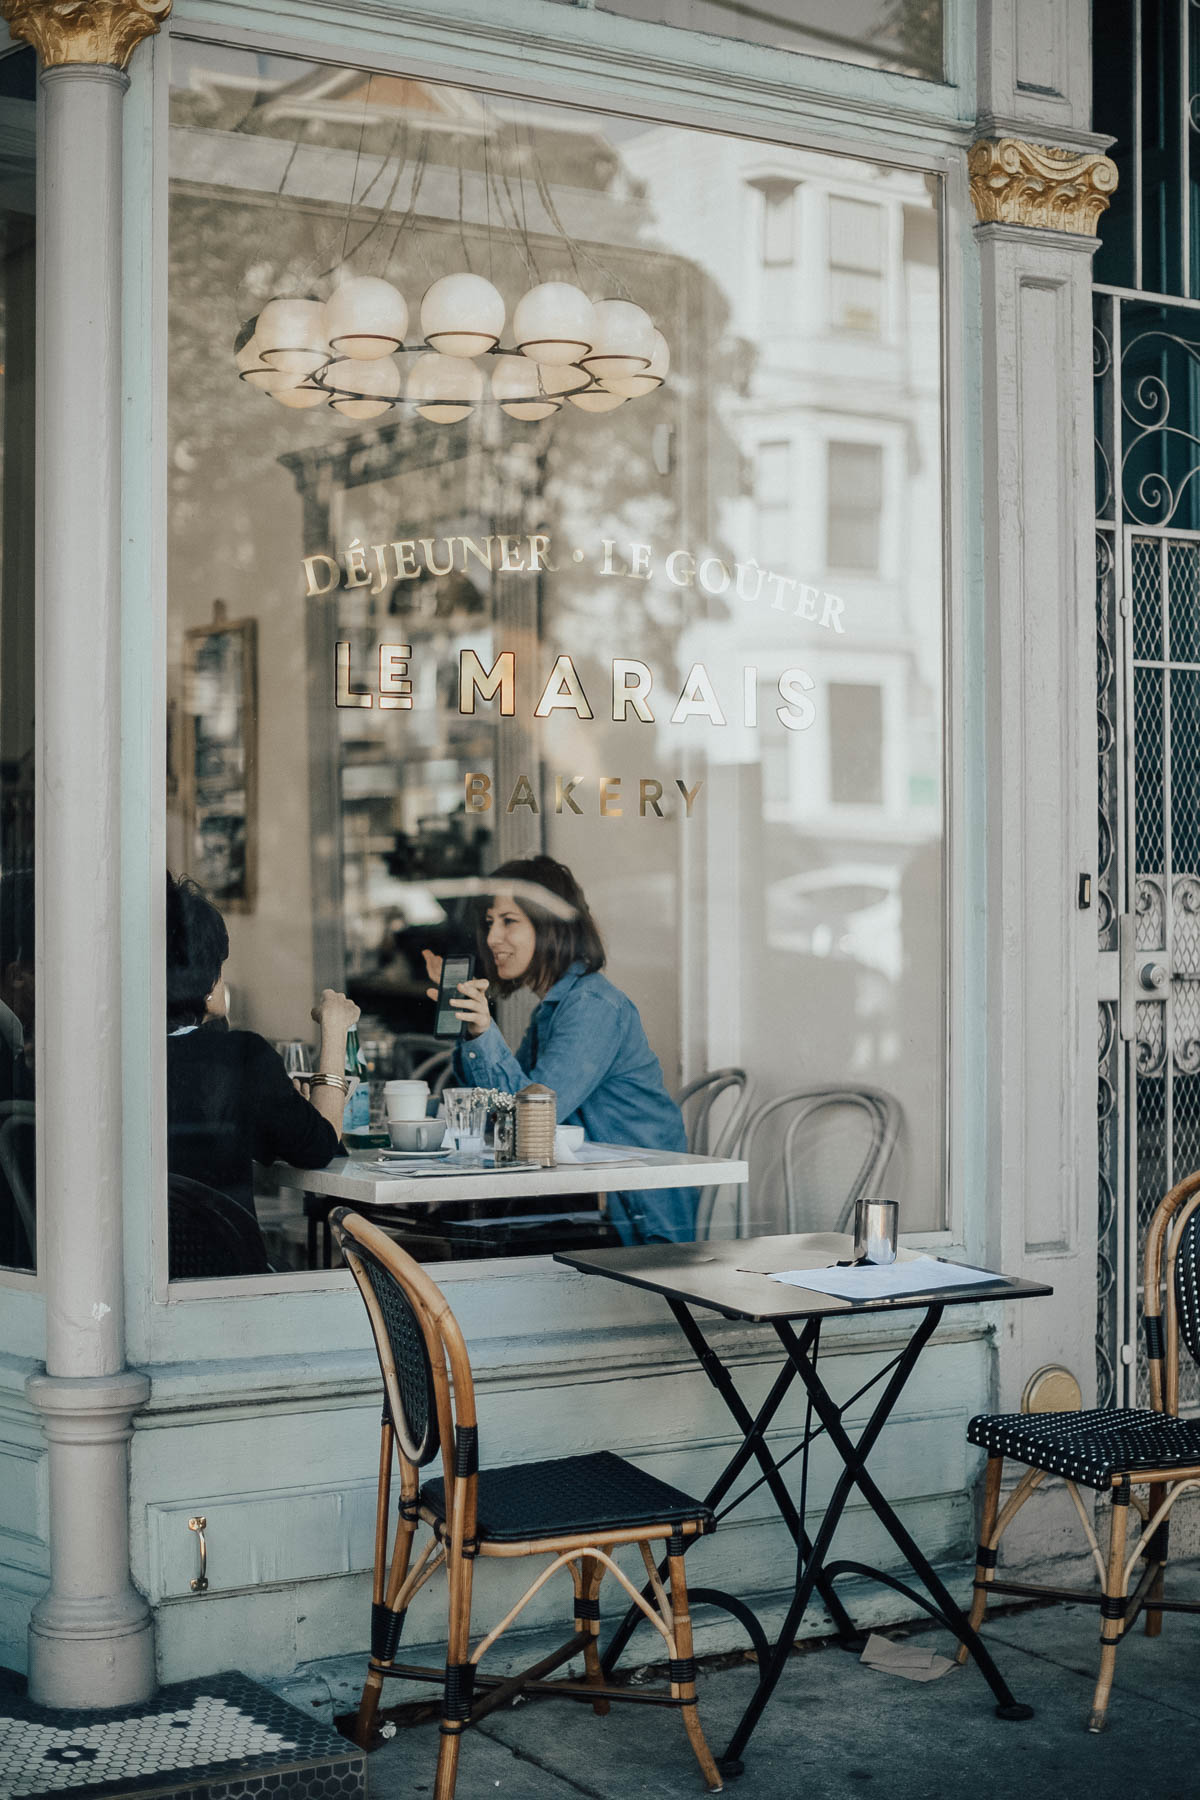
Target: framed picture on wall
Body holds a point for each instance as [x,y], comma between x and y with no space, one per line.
[219,762]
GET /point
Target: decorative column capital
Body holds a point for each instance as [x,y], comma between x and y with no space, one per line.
[84,31]
[1015,183]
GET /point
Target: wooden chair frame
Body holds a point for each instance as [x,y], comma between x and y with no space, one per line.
[469,1695]
[1119,1609]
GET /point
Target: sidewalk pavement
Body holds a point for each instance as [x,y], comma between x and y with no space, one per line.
[836,1729]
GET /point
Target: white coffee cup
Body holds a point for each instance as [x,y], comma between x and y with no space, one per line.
[405,1099]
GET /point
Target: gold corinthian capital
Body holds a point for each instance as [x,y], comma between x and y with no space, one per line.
[1014,183]
[84,31]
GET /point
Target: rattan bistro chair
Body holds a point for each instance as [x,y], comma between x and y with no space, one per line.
[576,1510]
[1112,1450]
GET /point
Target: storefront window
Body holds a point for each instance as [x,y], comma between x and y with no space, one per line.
[18,90]
[673,620]
[905,35]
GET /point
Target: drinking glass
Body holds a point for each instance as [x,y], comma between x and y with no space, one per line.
[875,1223]
[466,1115]
[296,1058]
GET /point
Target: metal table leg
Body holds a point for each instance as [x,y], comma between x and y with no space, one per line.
[753,1447]
[802,1357]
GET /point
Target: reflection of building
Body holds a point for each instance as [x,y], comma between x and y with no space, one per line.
[830,276]
[795,431]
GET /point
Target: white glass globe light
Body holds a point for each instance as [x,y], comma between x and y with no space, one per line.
[462,315]
[517,386]
[624,341]
[254,371]
[563,378]
[298,394]
[365,318]
[649,379]
[596,400]
[554,323]
[359,389]
[444,388]
[291,336]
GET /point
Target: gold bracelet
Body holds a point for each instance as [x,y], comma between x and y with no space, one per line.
[333,1081]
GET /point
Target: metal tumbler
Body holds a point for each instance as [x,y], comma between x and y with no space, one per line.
[875,1223]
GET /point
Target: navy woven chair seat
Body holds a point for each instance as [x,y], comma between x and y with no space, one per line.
[1090,1448]
[569,1495]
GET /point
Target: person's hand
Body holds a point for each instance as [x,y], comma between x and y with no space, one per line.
[433,968]
[335,1012]
[470,1004]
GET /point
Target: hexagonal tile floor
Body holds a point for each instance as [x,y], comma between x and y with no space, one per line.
[221,1738]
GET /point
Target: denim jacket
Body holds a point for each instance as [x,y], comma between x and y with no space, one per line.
[586,1041]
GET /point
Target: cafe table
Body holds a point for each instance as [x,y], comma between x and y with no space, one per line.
[735,1278]
[368,1178]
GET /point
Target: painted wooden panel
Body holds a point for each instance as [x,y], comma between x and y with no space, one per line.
[260,1540]
[24,1510]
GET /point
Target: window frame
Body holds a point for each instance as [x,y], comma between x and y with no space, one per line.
[539,55]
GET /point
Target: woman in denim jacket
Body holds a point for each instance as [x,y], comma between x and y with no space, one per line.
[585,1040]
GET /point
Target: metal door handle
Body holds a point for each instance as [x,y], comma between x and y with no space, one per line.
[199,1583]
[1127,993]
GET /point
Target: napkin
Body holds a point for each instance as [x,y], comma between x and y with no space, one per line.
[907,1660]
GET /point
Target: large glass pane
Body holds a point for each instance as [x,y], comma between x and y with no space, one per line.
[685,640]
[18,90]
[905,35]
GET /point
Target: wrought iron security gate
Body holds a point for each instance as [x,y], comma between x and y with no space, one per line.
[1147,367]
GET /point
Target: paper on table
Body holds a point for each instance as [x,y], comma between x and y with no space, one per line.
[880,1281]
[605,1156]
[395,1170]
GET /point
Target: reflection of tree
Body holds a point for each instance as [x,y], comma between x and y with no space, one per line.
[918,27]
[581,476]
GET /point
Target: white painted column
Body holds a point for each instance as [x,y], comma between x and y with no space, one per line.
[90,1639]
[1039,181]
[1041,791]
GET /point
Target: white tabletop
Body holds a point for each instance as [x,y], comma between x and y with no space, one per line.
[359,1177]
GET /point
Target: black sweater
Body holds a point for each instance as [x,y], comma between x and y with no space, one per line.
[230,1103]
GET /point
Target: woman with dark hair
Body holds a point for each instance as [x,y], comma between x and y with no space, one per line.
[230,1102]
[585,1039]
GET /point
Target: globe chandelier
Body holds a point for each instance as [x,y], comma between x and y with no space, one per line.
[344,351]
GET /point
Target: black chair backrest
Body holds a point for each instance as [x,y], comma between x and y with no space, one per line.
[1187,1285]
[209,1234]
[412,1402]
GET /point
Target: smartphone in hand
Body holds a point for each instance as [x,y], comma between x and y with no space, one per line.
[447,1023]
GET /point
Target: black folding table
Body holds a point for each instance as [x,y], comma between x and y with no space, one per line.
[732,1277]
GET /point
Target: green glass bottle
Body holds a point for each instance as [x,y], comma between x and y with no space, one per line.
[357,1116]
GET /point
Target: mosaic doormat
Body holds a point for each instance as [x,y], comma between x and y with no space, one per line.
[220,1738]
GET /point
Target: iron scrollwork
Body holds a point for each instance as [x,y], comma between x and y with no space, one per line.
[1161,458]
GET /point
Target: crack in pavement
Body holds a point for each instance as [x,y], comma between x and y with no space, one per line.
[589,1793]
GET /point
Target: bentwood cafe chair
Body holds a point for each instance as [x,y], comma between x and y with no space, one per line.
[1113,1451]
[576,1510]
